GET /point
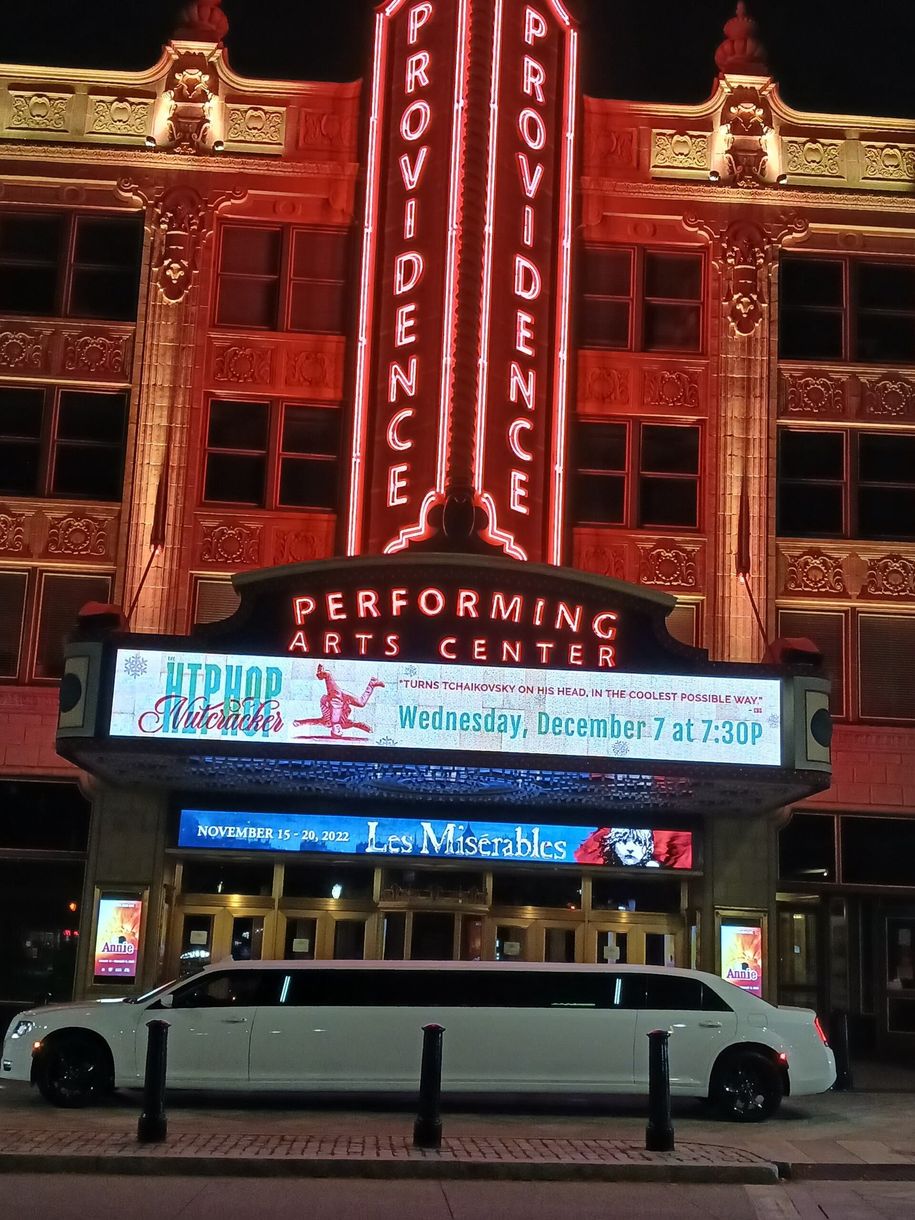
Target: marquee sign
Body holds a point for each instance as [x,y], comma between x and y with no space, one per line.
[463,326]
[455,708]
[467,839]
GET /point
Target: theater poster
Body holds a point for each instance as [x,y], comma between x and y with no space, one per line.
[742,956]
[117,938]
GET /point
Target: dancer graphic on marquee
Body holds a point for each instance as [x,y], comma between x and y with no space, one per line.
[336,705]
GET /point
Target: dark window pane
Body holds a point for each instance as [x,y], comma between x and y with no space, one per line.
[238,425]
[109,241]
[62,597]
[673,277]
[38,932]
[811,281]
[20,467]
[885,285]
[250,251]
[318,306]
[805,509]
[215,600]
[673,993]
[43,815]
[30,236]
[234,989]
[811,455]
[885,458]
[319,254]
[20,432]
[670,450]
[810,334]
[247,302]
[83,416]
[668,502]
[29,290]
[104,293]
[233,478]
[634,894]
[521,889]
[672,327]
[602,447]
[91,472]
[319,880]
[308,483]
[807,849]
[604,323]
[827,630]
[20,412]
[877,851]
[12,606]
[885,336]
[606,272]
[886,647]
[886,512]
[600,498]
[215,877]
[311,430]
[683,624]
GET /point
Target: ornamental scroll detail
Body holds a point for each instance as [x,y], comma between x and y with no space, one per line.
[744,251]
[890,576]
[814,572]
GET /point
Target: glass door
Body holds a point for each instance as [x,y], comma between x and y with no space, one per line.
[798,956]
[204,935]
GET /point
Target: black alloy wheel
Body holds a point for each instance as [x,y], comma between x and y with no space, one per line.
[73,1072]
[748,1089]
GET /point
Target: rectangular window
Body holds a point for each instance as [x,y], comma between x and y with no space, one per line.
[66,443]
[214,600]
[846,484]
[61,597]
[272,454]
[826,628]
[13,587]
[886,666]
[275,278]
[641,300]
[665,491]
[70,265]
[846,309]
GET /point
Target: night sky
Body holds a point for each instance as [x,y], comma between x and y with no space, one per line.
[840,56]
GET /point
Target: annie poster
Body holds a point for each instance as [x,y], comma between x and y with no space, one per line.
[742,956]
[117,940]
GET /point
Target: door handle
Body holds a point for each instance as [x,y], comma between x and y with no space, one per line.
[710,1025]
[234,1020]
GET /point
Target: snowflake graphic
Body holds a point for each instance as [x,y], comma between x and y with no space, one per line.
[135,666]
[773,721]
[410,671]
[620,748]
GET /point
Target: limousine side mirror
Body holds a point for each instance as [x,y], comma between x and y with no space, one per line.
[167,1001]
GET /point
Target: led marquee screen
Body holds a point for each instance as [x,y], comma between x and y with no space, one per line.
[117,940]
[436,838]
[456,708]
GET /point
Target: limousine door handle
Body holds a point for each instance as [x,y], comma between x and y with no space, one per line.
[710,1025]
[234,1020]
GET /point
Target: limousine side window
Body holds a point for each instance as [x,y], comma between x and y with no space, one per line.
[462,989]
[231,989]
[675,993]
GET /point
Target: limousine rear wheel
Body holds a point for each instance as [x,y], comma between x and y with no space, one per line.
[74,1070]
[747,1088]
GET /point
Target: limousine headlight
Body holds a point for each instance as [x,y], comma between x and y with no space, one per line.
[22,1029]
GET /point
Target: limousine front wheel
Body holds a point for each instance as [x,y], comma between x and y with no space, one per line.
[747,1088]
[73,1070]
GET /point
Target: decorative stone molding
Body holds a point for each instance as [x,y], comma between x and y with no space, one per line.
[295,546]
[231,544]
[322,131]
[592,555]
[888,162]
[743,251]
[192,104]
[684,150]
[814,394]
[242,365]
[307,368]
[890,576]
[24,351]
[260,125]
[814,158]
[39,111]
[670,388]
[746,148]
[669,566]
[12,532]
[96,354]
[607,386]
[111,115]
[78,535]
[814,572]
[608,146]
[888,397]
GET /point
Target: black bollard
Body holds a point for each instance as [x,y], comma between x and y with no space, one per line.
[427,1130]
[153,1124]
[659,1133]
[838,1041]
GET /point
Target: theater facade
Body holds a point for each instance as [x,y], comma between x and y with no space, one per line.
[462,495]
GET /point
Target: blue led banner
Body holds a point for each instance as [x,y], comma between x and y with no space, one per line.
[436,838]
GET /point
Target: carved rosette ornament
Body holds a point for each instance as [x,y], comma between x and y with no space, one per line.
[232,545]
[606,561]
[25,350]
[889,397]
[669,567]
[182,218]
[670,389]
[743,252]
[86,536]
[814,572]
[12,533]
[814,394]
[242,364]
[891,576]
[607,386]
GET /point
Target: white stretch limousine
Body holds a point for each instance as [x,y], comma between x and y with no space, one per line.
[356,1026]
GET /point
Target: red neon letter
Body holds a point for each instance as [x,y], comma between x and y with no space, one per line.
[302,607]
[397,485]
[335,606]
[514,443]
[406,381]
[416,71]
[467,602]
[527,279]
[415,120]
[519,383]
[528,232]
[524,332]
[530,124]
[518,492]
[603,625]
[507,611]
[444,644]
[431,602]
[394,438]
[418,16]
[408,271]
[534,76]
[530,182]
[367,603]
[411,174]
[534,25]
[404,323]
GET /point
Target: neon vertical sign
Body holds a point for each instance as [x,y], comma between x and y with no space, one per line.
[472,113]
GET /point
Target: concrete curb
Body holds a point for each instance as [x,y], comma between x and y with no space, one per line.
[763,1173]
[842,1171]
